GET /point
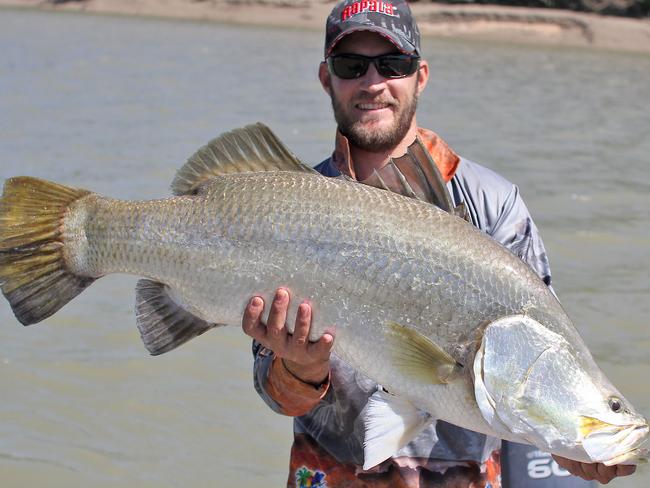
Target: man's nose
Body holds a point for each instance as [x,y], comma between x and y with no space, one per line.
[372,78]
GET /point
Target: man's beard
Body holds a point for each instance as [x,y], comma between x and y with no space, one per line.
[369,138]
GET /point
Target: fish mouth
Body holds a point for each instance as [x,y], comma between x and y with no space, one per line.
[612,444]
[634,456]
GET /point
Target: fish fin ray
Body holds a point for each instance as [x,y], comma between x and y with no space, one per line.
[163,324]
[391,422]
[33,274]
[419,357]
[249,149]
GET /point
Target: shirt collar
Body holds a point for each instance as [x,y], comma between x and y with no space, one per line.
[445,158]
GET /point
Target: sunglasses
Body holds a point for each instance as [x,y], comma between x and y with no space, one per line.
[351,66]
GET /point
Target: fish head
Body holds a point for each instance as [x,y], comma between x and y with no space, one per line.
[607,427]
[532,386]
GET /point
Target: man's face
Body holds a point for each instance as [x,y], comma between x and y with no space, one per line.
[373,112]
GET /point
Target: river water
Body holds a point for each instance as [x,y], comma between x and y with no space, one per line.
[116,104]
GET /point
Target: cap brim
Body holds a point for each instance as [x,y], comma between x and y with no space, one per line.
[405,48]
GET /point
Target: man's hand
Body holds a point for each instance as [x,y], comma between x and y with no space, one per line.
[595,471]
[308,361]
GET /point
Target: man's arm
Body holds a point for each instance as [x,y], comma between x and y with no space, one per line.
[297,370]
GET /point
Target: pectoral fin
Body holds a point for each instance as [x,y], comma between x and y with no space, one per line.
[390,423]
[419,357]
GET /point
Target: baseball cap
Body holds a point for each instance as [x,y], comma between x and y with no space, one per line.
[389,18]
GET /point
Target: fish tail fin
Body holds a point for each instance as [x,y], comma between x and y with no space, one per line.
[33,274]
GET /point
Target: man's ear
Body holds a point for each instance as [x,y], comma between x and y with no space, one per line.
[423,76]
[325,77]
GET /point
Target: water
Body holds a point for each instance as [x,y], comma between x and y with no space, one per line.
[117,104]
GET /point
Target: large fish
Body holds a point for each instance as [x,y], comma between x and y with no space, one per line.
[450,323]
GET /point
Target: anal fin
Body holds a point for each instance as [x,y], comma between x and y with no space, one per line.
[163,324]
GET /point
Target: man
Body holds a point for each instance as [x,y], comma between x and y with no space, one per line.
[374,75]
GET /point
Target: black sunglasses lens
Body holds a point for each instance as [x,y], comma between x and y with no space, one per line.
[349,67]
[396,66]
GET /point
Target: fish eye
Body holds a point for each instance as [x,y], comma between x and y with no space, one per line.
[615,404]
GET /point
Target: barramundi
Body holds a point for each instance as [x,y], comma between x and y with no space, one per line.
[452,325]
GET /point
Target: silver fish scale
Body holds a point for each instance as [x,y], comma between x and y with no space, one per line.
[378,248]
[364,257]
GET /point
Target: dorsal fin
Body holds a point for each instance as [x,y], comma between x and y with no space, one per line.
[249,149]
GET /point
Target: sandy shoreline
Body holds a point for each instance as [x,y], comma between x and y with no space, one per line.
[479,22]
